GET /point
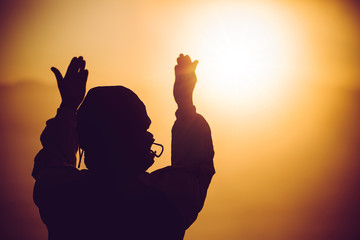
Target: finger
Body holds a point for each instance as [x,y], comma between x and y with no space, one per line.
[194,64]
[187,59]
[180,59]
[73,67]
[82,64]
[57,74]
[84,76]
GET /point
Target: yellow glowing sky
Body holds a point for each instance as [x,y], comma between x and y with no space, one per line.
[275,82]
[249,50]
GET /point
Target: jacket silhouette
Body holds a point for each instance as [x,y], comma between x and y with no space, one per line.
[115,198]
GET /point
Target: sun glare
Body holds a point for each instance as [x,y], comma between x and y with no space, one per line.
[249,53]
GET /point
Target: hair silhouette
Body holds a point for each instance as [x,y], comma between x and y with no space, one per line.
[112,126]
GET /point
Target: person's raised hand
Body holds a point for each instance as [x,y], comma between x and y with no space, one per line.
[185,80]
[72,87]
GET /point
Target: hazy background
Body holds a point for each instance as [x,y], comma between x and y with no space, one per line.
[278,82]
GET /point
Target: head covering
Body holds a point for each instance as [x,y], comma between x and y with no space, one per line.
[110,114]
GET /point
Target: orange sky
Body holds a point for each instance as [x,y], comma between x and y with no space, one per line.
[278,82]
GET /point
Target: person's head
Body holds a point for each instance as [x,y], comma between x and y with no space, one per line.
[112,129]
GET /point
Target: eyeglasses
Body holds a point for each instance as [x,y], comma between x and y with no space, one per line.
[154,151]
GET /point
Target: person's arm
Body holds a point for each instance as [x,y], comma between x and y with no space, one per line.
[186,182]
[192,147]
[59,138]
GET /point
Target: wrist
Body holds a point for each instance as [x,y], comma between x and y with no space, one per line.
[186,106]
[185,101]
[66,113]
[68,107]
[185,111]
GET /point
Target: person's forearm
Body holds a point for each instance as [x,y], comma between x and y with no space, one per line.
[59,140]
[191,140]
[191,136]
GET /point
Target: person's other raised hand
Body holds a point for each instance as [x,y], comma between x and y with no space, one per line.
[185,80]
[72,87]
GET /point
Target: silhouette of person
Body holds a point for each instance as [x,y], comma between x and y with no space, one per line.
[115,198]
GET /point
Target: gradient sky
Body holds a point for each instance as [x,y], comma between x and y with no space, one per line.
[278,82]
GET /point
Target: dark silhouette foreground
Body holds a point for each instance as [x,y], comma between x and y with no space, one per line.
[116,198]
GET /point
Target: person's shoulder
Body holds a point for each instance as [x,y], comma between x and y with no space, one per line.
[167,176]
[60,176]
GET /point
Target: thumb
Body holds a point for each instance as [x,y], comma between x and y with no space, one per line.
[194,64]
[57,74]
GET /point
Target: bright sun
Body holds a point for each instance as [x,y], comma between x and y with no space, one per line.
[249,54]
